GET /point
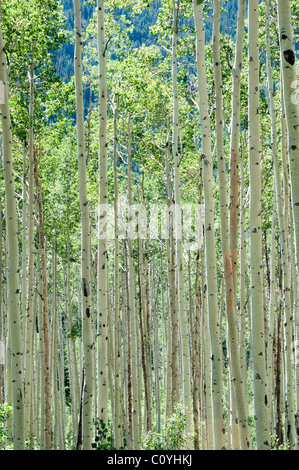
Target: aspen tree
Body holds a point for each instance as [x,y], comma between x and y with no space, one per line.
[117,325]
[147,320]
[30,288]
[27,350]
[234,176]
[187,398]
[47,430]
[285,248]
[2,322]
[256,259]
[88,343]
[102,235]
[126,346]
[70,342]
[197,345]
[163,321]
[291,103]
[173,335]
[289,78]
[228,259]
[142,326]
[13,283]
[136,428]
[102,287]
[62,393]
[54,355]
[209,235]
[208,430]
[156,350]
[169,367]
[243,265]
[234,140]
[271,320]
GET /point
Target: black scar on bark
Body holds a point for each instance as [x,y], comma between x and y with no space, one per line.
[88,312]
[289,56]
[85,288]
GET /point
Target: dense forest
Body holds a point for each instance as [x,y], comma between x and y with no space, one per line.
[149,206]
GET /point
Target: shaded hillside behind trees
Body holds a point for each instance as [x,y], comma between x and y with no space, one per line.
[141,33]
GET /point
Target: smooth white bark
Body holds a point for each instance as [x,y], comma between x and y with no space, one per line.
[88,342]
[209,234]
[13,281]
[256,258]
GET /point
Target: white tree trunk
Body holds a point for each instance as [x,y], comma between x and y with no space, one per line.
[13,282]
[136,423]
[291,101]
[186,360]
[102,230]
[238,391]
[212,294]
[256,258]
[117,324]
[88,343]
[31,247]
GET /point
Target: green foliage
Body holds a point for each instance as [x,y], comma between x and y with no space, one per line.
[5,412]
[173,436]
[275,445]
[76,330]
[103,439]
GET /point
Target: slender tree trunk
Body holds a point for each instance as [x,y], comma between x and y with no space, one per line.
[215,334]
[291,102]
[156,350]
[169,386]
[173,337]
[234,141]
[283,224]
[41,349]
[196,356]
[136,431]
[88,342]
[117,325]
[2,321]
[229,259]
[147,320]
[243,266]
[256,259]
[13,282]
[278,381]
[187,397]
[45,315]
[30,289]
[54,356]
[27,347]
[102,231]
[127,349]
[142,309]
[71,346]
